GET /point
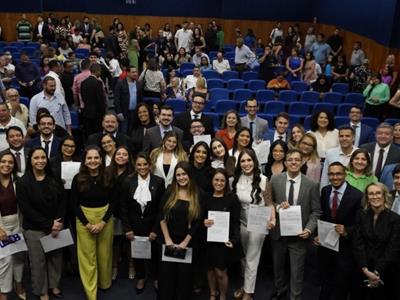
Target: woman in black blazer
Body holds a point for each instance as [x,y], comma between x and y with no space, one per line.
[376,245]
[141,194]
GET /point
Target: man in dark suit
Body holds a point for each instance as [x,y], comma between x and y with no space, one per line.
[183,119]
[154,135]
[340,203]
[396,192]
[111,42]
[15,140]
[41,31]
[293,188]
[47,140]
[110,125]
[86,28]
[382,151]
[94,100]
[281,131]
[363,133]
[128,93]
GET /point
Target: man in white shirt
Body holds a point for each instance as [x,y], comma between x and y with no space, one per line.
[258,126]
[363,133]
[220,64]
[184,37]
[6,121]
[55,71]
[243,55]
[190,80]
[198,55]
[341,154]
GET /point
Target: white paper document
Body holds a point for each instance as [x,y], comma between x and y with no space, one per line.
[63,239]
[262,151]
[328,237]
[219,231]
[202,138]
[15,243]
[141,247]
[68,170]
[290,221]
[258,218]
[186,260]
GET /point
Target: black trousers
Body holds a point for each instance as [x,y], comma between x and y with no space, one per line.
[151,264]
[175,281]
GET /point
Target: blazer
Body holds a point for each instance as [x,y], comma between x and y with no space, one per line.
[121,139]
[122,96]
[269,136]
[393,156]
[183,120]
[132,217]
[308,199]
[346,212]
[153,139]
[45,32]
[159,169]
[93,97]
[261,126]
[386,175]
[55,145]
[366,134]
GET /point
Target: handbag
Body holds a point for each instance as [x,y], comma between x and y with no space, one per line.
[175,252]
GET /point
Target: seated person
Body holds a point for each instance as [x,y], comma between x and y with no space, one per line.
[322,85]
[279,83]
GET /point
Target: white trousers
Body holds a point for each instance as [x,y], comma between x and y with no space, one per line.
[11,267]
[252,244]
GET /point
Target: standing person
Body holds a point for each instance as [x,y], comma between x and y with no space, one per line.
[41,200]
[220,156]
[67,81]
[11,267]
[16,143]
[340,203]
[181,213]
[376,244]
[267,63]
[28,76]
[288,189]
[108,145]
[320,50]
[296,134]
[294,64]
[140,199]
[93,100]
[221,255]
[276,158]
[258,126]
[144,119]
[94,224]
[153,80]
[311,164]
[24,29]
[184,37]
[243,55]
[362,132]
[357,56]
[251,187]
[242,140]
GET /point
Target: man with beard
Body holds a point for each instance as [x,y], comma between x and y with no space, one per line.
[15,140]
[54,102]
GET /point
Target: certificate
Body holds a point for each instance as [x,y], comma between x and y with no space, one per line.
[262,151]
[15,243]
[186,260]
[219,231]
[258,218]
[63,239]
[68,170]
[290,221]
[202,138]
[328,237]
[141,247]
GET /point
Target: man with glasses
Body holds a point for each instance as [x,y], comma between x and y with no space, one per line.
[340,203]
[183,119]
[258,126]
[363,133]
[18,110]
[293,188]
[6,121]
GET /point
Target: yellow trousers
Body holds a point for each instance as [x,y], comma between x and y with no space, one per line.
[95,252]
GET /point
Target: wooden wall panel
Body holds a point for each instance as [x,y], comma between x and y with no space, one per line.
[375,52]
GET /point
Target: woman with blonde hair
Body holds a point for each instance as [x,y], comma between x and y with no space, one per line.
[311,161]
[165,157]
[199,90]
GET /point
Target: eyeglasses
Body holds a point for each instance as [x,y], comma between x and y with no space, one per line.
[197,102]
[336,174]
[378,193]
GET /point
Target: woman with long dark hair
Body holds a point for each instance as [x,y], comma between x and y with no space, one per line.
[200,161]
[140,199]
[243,139]
[144,119]
[94,224]
[41,200]
[220,156]
[277,154]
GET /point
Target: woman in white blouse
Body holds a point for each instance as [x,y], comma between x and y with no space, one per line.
[251,187]
[323,128]
[165,157]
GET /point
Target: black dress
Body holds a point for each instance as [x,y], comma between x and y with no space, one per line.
[218,254]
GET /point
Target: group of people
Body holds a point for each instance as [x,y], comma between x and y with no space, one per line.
[147,173]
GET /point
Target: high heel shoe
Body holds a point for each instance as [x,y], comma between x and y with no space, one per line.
[20,292]
[140,290]
[238,294]
[114,273]
[131,272]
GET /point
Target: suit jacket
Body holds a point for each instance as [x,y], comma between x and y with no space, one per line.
[386,175]
[93,97]
[132,216]
[346,212]
[366,134]
[55,145]
[261,126]
[393,156]
[121,139]
[153,139]
[45,32]
[269,135]
[183,122]
[85,32]
[308,199]
[122,96]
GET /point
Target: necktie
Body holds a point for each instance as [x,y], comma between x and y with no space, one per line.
[354,128]
[252,128]
[46,148]
[335,200]
[18,160]
[195,116]
[378,168]
[291,192]
[280,137]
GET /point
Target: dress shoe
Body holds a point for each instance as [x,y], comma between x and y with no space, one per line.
[21,294]
[140,290]
[59,295]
